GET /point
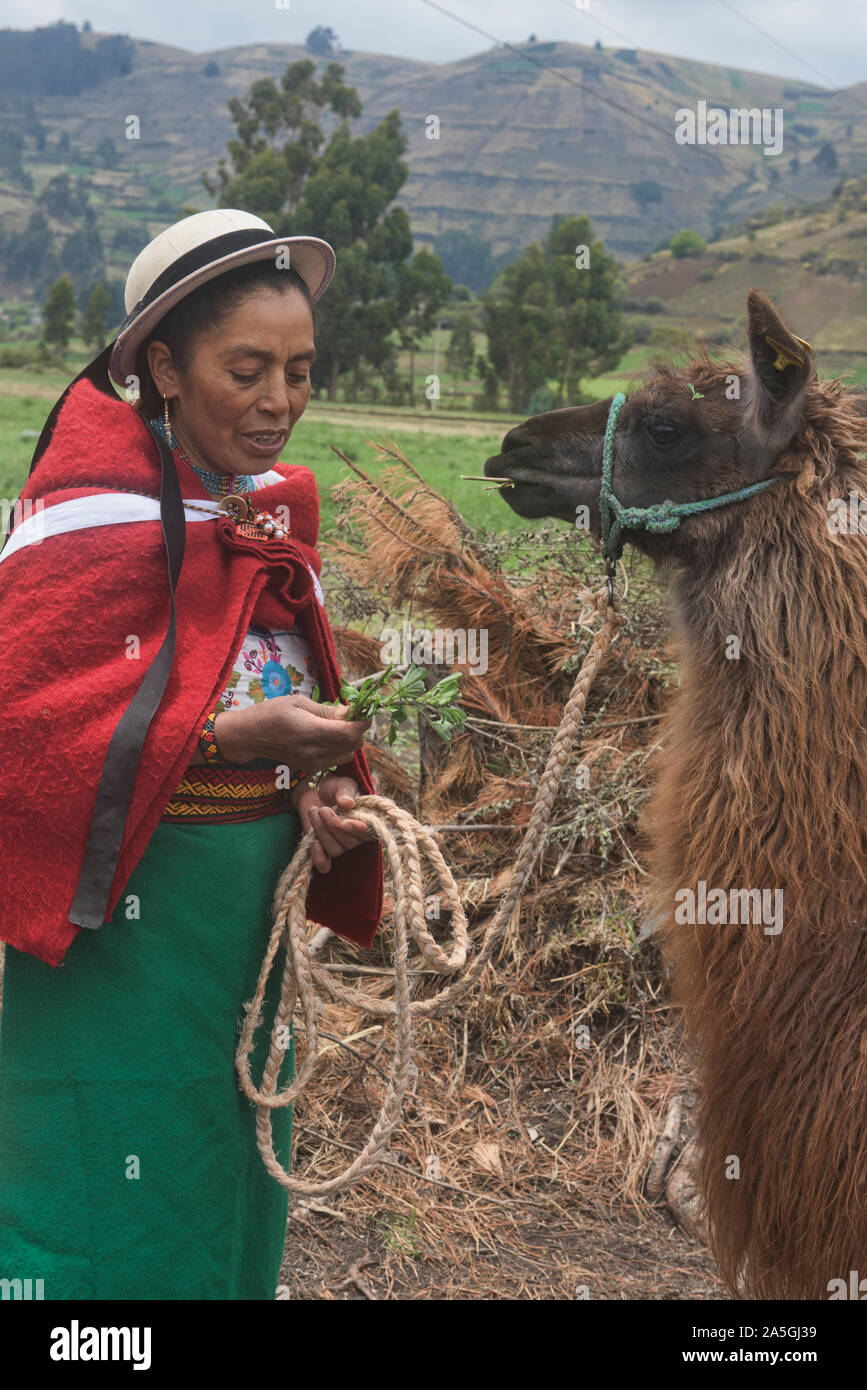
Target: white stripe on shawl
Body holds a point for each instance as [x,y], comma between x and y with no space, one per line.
[110,508]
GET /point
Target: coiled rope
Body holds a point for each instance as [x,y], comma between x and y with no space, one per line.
[407,844]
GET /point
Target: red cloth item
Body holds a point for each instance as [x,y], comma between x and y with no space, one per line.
[82,614]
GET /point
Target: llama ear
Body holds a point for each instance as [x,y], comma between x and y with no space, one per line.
[782,365]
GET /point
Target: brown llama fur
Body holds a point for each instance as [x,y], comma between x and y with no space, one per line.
[763,784]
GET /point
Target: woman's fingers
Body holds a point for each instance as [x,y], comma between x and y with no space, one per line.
[324,832]
[321,860]
[335,832]
[347,831]
[337,791]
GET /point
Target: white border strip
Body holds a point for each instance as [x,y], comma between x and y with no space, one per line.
[104,509]
[109,509]
[99,509]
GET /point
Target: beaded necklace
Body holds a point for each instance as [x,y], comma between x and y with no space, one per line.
[220,483]
[250,523]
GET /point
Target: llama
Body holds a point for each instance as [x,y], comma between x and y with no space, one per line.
[762,776]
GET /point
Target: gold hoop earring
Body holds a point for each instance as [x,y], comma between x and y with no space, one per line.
[167,421]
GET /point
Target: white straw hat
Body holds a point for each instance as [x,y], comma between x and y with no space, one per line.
[197,249]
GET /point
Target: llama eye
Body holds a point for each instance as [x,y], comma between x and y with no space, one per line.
[663,434]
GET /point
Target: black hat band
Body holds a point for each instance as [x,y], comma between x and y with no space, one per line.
[191,261]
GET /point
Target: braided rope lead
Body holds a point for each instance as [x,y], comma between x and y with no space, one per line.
[406,844]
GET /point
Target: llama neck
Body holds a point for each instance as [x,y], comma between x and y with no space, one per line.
[765,739]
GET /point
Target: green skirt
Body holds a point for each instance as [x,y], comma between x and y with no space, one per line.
[128,1159]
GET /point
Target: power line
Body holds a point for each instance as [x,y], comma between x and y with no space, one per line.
[790,52]
[793,199]
[627,38]
[556,72]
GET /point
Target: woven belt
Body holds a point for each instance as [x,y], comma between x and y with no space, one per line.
[219,793]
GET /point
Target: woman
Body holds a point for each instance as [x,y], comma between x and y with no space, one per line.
[164,640]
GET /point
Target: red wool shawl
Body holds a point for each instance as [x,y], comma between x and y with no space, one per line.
[69,606]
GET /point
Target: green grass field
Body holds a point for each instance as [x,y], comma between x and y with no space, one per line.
[440,458]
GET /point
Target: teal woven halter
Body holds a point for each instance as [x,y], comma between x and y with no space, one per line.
[661,516]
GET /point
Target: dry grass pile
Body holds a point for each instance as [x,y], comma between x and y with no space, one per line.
[539,1102]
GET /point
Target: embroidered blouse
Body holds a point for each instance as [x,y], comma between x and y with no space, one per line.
[269,662]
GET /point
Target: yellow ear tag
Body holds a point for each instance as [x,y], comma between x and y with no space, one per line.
[785,358]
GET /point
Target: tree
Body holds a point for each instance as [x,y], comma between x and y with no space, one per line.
[81,254]
[58,313]
[212,69]
[62,199]
[826,157]
[93,319]
[461,352]
[556,314]
[423,289]
[646,191]
[263,176]
[129,239]
[106,151]
[466,257]
[490,394]
[29,255]
[56,61]
[32,126]
[321,42]
[686,243]
[11,150]
[518,311]
[341,191]
[587,336]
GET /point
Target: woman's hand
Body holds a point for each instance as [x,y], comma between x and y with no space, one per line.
[334,834]
[290,729]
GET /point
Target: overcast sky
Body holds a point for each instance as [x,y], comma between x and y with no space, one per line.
[827,40]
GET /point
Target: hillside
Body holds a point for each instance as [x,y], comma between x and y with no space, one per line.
[518,143]
[813,265]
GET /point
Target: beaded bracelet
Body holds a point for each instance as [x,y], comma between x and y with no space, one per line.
[208,738]
[211,752]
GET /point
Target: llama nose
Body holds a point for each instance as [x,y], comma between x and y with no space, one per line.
[516,438]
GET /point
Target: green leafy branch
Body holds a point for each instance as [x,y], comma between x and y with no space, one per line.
[438,705]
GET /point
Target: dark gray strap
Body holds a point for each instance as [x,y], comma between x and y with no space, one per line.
[116,784]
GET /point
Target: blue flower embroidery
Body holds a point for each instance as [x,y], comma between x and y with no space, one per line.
[275,681]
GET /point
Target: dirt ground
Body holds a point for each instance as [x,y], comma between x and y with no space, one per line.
[613,1257]
[530,1239]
